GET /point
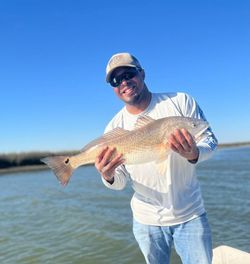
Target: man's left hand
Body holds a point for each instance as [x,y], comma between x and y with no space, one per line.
[182,142]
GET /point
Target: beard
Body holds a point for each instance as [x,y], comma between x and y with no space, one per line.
[136,99]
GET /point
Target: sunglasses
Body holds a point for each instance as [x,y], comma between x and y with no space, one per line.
[116,80]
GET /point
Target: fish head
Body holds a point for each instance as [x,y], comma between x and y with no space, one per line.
[194,126]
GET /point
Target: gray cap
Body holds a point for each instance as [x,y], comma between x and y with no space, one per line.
[121,60]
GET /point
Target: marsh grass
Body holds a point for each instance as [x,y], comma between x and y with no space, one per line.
[12,160]
[237,144]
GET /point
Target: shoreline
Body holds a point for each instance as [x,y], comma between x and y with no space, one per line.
[17,169]
[236,145]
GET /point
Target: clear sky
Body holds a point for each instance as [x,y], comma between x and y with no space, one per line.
[53,55]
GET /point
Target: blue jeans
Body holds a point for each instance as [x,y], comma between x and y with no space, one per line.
[192,241]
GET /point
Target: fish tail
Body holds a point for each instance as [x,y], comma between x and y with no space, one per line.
[61,167]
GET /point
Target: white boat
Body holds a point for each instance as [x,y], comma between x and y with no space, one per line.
[229,255]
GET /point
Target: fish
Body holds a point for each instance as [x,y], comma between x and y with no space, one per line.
[147,142]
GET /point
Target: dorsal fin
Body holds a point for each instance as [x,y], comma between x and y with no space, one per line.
[143,121]
[106,138]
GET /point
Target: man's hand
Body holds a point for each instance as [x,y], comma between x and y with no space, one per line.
[182,142]
[106,163]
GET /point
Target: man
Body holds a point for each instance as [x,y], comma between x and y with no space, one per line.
[166,209]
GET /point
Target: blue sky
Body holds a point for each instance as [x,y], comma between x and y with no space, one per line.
[53,56]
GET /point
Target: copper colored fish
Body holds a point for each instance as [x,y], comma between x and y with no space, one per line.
[146,143]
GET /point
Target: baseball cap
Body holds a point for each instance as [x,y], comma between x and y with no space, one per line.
[121,60]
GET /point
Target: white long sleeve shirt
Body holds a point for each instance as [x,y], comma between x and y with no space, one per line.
[175,197]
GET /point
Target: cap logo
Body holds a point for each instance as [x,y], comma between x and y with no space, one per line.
[115,60]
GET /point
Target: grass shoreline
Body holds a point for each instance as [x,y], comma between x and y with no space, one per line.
[30,161]
[237,144]
[26,161]
[23,169]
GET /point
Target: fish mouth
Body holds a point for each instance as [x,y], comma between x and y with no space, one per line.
[198,136]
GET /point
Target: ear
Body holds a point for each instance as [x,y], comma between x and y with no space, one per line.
[142,72]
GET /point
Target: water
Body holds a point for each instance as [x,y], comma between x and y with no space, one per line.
[42,222]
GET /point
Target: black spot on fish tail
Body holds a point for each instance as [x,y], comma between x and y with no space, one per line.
[61,167]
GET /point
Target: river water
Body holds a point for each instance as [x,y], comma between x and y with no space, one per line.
[43,222]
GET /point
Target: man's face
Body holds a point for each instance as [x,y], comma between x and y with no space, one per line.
[130,89]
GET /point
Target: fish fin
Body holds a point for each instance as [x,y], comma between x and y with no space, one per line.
[143,121]
[161,167]
[161,163]
[105,138]
[61,167]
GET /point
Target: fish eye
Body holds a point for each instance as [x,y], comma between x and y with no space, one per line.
[194,125]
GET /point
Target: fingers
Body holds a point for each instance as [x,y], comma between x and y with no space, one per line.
[105,156]
[112,164]
[189,138]
[107,161]
[182,142]
[100,155]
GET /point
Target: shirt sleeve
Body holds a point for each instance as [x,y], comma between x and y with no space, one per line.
[208,143]
[120,179]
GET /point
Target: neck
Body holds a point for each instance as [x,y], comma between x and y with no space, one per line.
[142,102]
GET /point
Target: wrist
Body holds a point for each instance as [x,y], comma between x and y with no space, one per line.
[109,180]
[194,160]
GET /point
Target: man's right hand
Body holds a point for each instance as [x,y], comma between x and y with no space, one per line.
[107,161]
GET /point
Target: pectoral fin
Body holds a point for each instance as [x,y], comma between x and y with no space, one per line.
[161,163]
[161,167]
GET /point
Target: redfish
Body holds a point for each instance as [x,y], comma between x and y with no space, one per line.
[146,143]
